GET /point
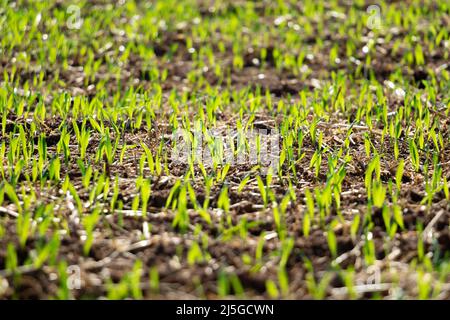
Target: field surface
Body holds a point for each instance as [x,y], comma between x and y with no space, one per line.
[185,149]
